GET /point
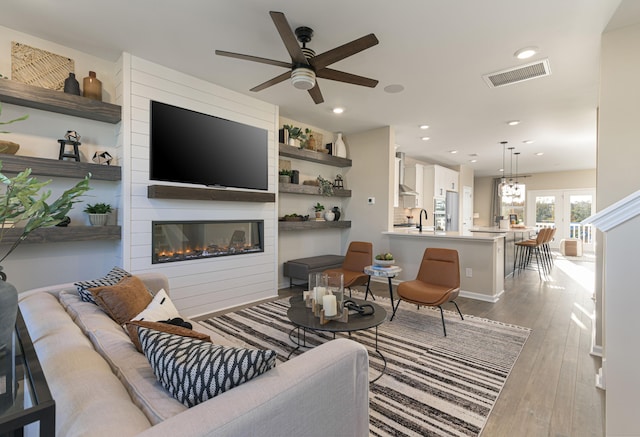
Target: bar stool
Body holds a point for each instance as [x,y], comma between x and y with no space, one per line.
[525,250]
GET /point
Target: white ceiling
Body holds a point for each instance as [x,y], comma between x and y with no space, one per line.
[437,49]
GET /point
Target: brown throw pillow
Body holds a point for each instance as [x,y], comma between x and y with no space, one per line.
[124,300]
[132,329]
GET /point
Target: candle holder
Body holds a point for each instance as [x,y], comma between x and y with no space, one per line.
[343,318]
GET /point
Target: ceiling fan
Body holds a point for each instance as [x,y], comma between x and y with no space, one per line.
[305,65]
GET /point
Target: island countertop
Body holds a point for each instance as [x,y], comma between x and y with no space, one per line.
[450,235]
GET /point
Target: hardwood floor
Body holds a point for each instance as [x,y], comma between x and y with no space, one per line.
[551,389]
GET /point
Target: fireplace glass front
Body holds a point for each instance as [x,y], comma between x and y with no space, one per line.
[188,240]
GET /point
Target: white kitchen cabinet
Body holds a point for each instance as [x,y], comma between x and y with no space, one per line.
[438,180]
[414,177]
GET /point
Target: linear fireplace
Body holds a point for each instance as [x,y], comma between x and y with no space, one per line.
[189,240]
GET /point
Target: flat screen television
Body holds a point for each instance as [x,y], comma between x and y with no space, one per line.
[191,147]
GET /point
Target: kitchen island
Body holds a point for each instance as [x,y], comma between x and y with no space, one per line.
[481,258]
[511,236]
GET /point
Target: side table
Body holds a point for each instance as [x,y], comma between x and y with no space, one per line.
[26,397]
[389,272]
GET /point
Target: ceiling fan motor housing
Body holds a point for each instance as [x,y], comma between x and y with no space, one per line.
[303,78]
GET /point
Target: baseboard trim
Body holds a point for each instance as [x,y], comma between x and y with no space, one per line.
[482,297]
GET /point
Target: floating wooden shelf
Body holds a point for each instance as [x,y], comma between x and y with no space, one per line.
[313,224]
[189,193]
[67,234]
[309,189]
[54,167]
[57,101]
[313,156]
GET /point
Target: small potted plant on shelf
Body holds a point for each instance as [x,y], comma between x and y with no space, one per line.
[285,176]
[325,187]
[318,208]
[297,136]
[98,213]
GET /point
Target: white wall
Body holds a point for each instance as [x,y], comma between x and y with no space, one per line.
[618,176]
[198,286]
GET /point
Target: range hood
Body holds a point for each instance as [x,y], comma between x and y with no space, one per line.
[404,189]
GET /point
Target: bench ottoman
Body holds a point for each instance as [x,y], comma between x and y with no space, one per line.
[301,267]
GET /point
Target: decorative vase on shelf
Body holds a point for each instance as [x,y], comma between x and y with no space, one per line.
[336,212]
[71,85]
[8,312]
[339,147]
[329,216]
[92,87]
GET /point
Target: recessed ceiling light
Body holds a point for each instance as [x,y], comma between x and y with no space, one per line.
[338,110]
[425,138]
[528,141]
[453,152]
[501,170]
[473,160]
[539,154]
[424,126]
[526,52]
[513,122]
[393,89]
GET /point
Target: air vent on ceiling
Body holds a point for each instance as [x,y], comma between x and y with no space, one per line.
[518,74]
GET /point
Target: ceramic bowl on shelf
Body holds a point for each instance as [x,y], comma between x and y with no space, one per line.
[384,262]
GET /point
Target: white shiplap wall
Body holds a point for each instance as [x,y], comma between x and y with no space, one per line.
[200,286]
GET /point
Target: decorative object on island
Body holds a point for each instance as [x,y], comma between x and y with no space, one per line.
[410,219]
[338,182]
[98,213]
[103,158]
[39,67]
[325,186]
[23,201]
[318,208]
[285,176]
[329,216]
[336,213]
[339,148]
[92,87]
[10,147]
[296,136]
[71,85]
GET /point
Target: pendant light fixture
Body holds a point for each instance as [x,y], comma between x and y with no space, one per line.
[516,186]
[503,179]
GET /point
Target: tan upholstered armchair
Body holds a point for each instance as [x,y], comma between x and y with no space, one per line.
[438,282]
[359,255]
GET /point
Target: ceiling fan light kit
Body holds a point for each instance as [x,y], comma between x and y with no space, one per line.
[305,65]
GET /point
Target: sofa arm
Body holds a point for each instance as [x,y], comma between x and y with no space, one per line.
[323,392]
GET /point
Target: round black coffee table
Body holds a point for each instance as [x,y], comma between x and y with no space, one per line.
[303,319]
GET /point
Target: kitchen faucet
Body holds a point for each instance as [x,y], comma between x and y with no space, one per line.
[426,218]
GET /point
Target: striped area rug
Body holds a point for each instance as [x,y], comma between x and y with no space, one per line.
[432,386]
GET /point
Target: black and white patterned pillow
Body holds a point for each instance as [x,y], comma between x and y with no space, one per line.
[113,277]
[194,370]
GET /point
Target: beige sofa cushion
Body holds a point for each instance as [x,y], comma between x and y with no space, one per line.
[98,405]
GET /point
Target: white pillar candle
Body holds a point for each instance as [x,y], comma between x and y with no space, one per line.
[329,305]
[320,291]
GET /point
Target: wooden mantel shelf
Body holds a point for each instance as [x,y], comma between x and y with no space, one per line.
[192,193]
[57,234]
[57,101]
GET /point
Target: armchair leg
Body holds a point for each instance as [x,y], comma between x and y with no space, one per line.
[444,328]
[454,302]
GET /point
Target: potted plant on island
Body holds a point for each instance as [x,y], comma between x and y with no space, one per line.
[98,213]
[22,201]
[318,208]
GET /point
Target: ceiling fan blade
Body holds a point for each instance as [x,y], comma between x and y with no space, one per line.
[255,59]
[344,51]
[288,38]
[341,76]
[315,94]
[270,82]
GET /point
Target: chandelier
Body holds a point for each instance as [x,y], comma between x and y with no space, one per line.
[509,187]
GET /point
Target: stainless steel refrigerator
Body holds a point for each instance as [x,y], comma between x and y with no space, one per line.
[452,211]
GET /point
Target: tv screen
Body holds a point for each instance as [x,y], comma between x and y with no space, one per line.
[195,148]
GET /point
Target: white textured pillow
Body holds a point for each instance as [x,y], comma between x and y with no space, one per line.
[161,308]
[194,370]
